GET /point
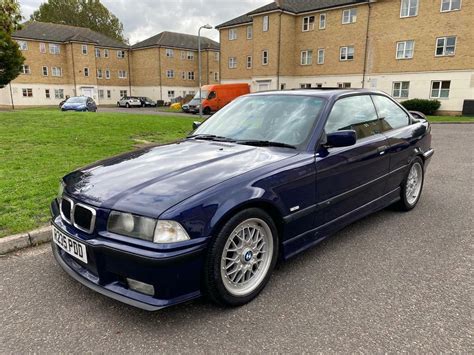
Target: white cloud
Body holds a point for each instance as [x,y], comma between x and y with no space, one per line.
[145,18]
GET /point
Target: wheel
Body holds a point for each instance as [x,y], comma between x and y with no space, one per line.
[127,105]
[143,105]
[412,186]
[118,104]
[241,258]
[206,111]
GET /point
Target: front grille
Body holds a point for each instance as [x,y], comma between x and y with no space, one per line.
[79,215]
[66,209]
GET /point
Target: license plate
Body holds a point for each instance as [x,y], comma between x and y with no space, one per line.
[70,245]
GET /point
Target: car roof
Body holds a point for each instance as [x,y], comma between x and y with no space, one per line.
[328,93]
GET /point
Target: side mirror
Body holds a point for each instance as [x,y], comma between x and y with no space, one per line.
[196,124]
[341,138]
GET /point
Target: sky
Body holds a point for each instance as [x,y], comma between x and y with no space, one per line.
[144,18]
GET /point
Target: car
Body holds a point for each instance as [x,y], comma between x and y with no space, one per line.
[146,101]
[79,103]
[129,101]
[265,178]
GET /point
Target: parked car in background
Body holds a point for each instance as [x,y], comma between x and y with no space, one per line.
[79,103]
[129,101]
[146,101]
[267,177]
[214,97]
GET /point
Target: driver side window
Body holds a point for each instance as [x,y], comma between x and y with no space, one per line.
[212,95]
[354,113]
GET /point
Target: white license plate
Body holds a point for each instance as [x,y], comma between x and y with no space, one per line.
[70,245]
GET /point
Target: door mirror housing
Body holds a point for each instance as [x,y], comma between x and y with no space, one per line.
[344,138]
[196,124]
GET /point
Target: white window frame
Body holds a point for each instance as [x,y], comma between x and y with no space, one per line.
[265,57]
[346,48]
[28,91]
[106,53]
[23,45]
[25,69]
[99,73]
[109,94]
[54,49]
[42,47]
[86,70]
[445,45]
[84,49]
[249,32]
[306,57]
[59,94]
[169,52]
[97,52]
[216,56]
[404,50]
[321,50]
[56,69]
[190,55]
[450,2]
[107,74]
[440,89]
[216,76]
[171,94]
[307,25]
[322,21]
[170,73]
[232,34]
[43,70]
[249,62]
[352,16]
[397,92]
[265,23]
[123,93]
[305,86]
[122,74]
[232,62]
[100,93]
[409,7]
[120,54]
[47,93]
[191,75]
[344,85]
[183,55]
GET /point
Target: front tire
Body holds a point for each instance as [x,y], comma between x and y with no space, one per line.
[207,111]
[241,258]
[412,186]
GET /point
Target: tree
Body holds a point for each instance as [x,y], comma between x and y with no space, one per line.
[84,13]
[11,57]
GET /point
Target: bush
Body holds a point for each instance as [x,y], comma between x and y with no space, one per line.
[428,107]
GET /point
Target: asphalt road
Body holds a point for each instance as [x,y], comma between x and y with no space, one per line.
[148,111]
[390,282]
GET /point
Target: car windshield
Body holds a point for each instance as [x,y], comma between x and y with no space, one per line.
[148,99]
[287,119]
[77,100]
[204,94]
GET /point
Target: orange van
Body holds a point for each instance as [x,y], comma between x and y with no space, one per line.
[214,97]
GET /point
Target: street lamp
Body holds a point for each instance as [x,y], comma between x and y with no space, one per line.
[207,27]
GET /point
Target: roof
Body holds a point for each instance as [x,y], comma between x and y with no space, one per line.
[177,40]
[293,6]
[54,32]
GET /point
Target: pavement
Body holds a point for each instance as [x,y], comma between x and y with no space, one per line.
[390,282]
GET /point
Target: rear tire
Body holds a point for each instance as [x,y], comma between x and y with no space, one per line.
[412,186]
[241,258]
[127,105]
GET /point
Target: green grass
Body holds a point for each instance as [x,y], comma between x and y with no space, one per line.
[39,146]
[450,119]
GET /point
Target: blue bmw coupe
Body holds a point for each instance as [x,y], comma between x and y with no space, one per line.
[265,178]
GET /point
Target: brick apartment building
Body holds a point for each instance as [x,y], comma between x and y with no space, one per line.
[65,60]
[408,48]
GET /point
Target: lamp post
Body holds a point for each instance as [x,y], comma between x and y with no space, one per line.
[207,27]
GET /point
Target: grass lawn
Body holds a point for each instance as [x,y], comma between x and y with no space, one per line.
[39,146]
[450,119]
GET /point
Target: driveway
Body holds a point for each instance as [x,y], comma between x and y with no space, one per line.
[390,282]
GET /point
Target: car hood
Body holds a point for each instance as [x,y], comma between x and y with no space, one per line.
[151,180]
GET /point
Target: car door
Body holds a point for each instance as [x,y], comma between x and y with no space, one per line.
[348,178]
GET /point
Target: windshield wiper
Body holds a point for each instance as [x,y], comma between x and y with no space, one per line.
[262,143]
[210,137]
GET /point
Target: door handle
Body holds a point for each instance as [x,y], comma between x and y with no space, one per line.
[381,150]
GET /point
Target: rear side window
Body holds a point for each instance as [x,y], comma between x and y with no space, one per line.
[356,113]
[391,116]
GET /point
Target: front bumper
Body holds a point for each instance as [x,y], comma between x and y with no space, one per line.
[175,276]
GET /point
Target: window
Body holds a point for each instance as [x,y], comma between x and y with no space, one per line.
[216,56]
[170,73]
[322,21]
[349,16]
[249,32]
[190,55]
[321,56]
[99,74]
[123,93]
[25,69]
[232,62]
[23,45]
[355,112]
[249,62]
[390,114]
[120,54]
[107,73]
[216,76]
[122,74]
[405,49]
[97,52]
[86,72]
[109,94]
[306,57]
[232,34]
[409,8]
[308,23]
[169,53]
[283,86]
[59,93]
[183,55]
[170,94]
[47,94]
[344,85]
[191,75]
[265,23]
[265,57]
[183,75]
[445,46]
[440,89]
[305,86]
[346,53]
[400,89]
[27,92]
[56,71]
[54,48]
[319,85]
[44,70]
[101,94]
[42,47]
[450,5]
[85,49]
[106,53]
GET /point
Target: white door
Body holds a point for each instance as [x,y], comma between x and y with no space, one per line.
[263,86]
[87,92]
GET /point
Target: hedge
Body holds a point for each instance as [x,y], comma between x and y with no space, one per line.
[428,107]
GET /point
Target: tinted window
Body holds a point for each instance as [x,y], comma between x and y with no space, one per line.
[211,95]
[390,114]
[355,112]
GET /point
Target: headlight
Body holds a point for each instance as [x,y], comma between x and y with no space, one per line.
[60,189]
[146,228]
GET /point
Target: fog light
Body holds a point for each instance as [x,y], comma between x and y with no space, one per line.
[140,287]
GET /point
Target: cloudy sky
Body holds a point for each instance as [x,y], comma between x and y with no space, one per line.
[144,18]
